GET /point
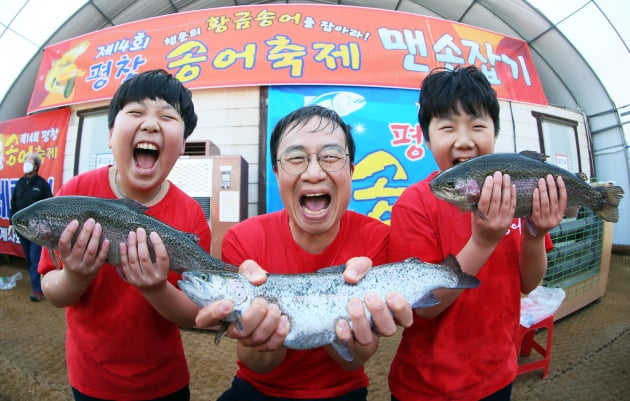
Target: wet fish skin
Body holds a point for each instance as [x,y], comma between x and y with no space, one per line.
[314,302]
[461,184]
[44,221]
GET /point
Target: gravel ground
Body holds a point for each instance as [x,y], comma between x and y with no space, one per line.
[589,357]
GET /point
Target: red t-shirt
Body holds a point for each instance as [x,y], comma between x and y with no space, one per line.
[467,352]
[268,240]
[117,345]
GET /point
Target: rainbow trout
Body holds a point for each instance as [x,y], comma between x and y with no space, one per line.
[461,184]
[314,302]
[43,222]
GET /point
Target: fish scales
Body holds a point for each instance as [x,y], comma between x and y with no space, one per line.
[461,184]
[314,302]
[44,221]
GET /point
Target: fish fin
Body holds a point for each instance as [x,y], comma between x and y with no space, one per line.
[611,199]
[582,176]
[343,350]
[133,205]
[429,299]
[121,273]
[193,237]
[333,269]
[531,227]
[481,215]
[221,332]
[465,280]
[232,317]
[55,258]
[572,211]
[532,154]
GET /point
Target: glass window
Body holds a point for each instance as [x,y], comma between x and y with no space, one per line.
[558,140]
[92,147]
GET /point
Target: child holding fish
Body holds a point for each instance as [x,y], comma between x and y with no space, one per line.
[123,340]
[464,347]
[312,151]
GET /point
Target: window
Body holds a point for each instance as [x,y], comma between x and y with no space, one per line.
[558,140]
[92,148]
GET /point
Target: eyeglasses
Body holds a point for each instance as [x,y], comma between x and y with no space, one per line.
[330,159]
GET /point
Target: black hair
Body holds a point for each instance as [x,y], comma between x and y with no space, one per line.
[443,91]
[302,115]
[155,84]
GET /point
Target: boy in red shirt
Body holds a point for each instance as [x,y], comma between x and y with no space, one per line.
[464,347]
[123,340]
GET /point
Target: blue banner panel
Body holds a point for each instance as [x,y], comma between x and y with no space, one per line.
[391,154]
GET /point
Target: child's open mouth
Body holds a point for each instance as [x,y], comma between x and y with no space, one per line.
[145,155]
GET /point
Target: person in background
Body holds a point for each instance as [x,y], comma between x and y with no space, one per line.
[464,347]
[30,188]
[123,340]
[312,153]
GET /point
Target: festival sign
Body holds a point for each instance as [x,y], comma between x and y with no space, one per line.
[43,133]
[282,44]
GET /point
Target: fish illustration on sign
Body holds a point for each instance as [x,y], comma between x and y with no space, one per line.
[342,102]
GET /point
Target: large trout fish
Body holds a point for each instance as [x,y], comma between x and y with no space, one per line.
[461,184]
[43,222]
[314,302]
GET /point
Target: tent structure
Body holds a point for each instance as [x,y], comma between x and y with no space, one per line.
[580,48]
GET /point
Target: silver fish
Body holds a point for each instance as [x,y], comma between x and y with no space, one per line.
[44,221]
[461,184]
[314,302]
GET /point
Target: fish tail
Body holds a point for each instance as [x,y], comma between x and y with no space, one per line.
[464,280]
[611,198]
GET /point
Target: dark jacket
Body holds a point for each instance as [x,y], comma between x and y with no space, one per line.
[29,190]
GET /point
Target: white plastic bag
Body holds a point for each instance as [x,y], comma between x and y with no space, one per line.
[539,304]
[6,283]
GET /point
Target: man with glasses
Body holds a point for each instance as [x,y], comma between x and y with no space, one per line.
[312,152]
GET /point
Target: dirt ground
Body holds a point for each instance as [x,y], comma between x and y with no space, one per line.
[590,350]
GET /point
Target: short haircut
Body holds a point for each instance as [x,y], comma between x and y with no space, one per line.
[303,115]
[155,84]
[443,91]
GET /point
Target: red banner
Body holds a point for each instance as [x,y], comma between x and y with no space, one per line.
[278,45]
[44,133]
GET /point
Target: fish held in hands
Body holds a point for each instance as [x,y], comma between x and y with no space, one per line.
[461,184]
[314,302]
[44,221]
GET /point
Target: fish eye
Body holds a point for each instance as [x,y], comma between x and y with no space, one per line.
[204,276]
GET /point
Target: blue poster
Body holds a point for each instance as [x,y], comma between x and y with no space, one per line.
[390,155]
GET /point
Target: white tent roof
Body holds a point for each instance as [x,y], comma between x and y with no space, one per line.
[581,49]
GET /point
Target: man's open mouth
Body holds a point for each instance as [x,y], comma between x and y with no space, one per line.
[315,204]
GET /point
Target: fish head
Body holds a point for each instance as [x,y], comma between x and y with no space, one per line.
[460,191]
[205,288]
[36,227]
